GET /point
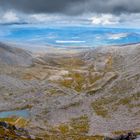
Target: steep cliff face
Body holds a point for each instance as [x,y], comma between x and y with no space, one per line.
[14,56]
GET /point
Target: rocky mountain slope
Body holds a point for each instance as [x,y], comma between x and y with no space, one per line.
[74,96]
[14,56]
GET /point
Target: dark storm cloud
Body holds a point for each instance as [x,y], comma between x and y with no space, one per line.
[72,7]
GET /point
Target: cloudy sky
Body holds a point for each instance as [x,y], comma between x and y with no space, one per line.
[77,12]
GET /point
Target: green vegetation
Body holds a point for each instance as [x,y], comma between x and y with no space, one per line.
[18,121]
[100,110]
[120,132]
[128,101]
[79,81]
[103,105]
[76,129]
[76,82]
[100,106]
[72,137]
[80,125]
[71,62]
[76,126]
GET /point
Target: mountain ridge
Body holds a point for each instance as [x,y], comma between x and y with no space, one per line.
[14,56]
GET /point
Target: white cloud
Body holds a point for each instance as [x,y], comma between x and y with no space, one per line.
[39,17]
[130,20]
[9,17]
[117,36]
[105,19]
[123,20]
[43,18]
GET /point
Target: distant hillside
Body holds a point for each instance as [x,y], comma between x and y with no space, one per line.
[14,56]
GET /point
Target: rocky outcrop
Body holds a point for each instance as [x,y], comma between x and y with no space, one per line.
[129,136]
[11,132]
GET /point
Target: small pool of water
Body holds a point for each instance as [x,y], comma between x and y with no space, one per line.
[18,113]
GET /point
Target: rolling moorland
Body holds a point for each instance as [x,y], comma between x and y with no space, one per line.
[78,96]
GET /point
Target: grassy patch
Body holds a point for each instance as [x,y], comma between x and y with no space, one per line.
[79,81]
[100,106]
[120,132]
[80,125]
[72,137]
[64,129]
[127,101]
[76,129]
[72,62]
[76,82]
[18,121]
[100,110]
[76,126]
